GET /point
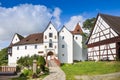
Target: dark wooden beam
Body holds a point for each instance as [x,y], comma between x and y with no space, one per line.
[104,42]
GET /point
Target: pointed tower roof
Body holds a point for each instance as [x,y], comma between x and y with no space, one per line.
[77,29]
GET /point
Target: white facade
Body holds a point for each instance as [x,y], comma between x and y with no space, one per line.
[77,48]
[65,46]
[21,51]
[51,42]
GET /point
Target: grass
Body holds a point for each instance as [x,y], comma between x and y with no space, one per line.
[90,68]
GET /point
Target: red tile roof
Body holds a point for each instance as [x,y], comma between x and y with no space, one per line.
[31,39]
[77,30]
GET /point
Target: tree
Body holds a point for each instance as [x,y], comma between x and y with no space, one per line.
[89,24]
[3,57]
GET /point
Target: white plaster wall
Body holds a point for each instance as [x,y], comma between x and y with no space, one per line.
[51,29]
[103,51]
[77,48]
[66,53]
[15,39]
[106,32]
[16,54]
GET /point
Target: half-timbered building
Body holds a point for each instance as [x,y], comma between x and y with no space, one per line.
[104,39]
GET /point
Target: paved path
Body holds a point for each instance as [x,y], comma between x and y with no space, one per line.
[55,72]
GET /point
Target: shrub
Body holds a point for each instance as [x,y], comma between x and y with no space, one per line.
[38,70]
[27,61]
[18,68]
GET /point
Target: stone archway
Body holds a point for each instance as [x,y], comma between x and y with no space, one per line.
[50,55]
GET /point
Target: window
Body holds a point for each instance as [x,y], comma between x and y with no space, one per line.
[55,37]
[35,46]
[50,34]
[76,38]
[17,57]
[50,43]
[45,46]
[18,48]
[62,37]
[9,50]
[50,28]
[62,54]
[63,46]
[25,47]
[55,47]
[45,37]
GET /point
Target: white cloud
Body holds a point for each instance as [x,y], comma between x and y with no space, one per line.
[74,20]
[26,19]
[56,15]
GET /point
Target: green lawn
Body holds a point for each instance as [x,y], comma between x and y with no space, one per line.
[90,68]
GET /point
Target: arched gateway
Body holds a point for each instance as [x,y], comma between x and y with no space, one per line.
[50,55]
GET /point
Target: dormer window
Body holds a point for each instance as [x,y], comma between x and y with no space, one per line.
[36,39]
[50,35]
[27,40]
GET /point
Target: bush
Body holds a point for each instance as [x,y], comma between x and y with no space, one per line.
[22,75]
[18,68]
[26,73]
[42,67]
[27,61]
[38,70]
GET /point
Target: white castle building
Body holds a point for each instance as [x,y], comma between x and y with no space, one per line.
[65,45]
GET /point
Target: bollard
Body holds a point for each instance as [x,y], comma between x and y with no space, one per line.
[34,66]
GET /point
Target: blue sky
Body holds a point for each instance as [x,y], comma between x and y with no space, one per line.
[72,7]
[15,15]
